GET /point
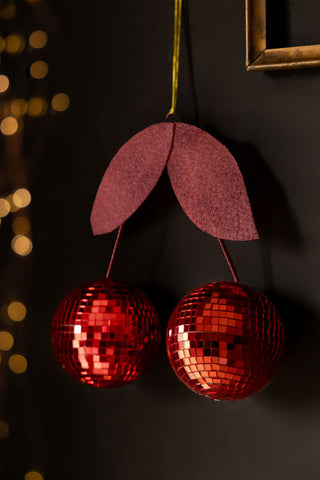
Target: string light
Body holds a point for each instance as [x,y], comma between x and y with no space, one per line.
[18,363]
[60,102]
[8,12]
[14,44]
[4,430]
[39,69]
[21,197]
[37,107]
[21,245]
[17,311]
[9,126]
[18,107]
[33,475]
[6,341]
[13,207]
[38,39]
[4,83]
[4,207]
[21,225]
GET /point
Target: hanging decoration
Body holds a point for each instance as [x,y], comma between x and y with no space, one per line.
[225,340]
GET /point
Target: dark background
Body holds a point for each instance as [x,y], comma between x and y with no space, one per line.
[114,60]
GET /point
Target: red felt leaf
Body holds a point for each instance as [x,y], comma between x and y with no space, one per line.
[209,186]
[131,176]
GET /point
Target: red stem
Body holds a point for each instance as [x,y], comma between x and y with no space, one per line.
[229,260]
[115,248]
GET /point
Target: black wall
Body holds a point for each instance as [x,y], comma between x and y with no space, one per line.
[114,60]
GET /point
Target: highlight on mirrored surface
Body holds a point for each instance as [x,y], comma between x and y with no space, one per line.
[21,225]
[21,197]
[17,311]
[4,207]
[33,475]
[38,39]
[37,107]
[18,363]
[14,44]
[60,102]
[38,69]
[9,126]
[4,83]
[6,340]
[4,430]
[21,245]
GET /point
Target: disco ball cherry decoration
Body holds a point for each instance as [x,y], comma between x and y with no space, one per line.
[106,333]
[225,340]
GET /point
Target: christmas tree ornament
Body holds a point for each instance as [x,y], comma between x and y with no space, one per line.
[225,340]
[106,333]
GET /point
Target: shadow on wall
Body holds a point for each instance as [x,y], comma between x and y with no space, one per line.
[296,387]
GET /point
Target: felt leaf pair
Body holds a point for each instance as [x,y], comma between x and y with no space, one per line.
[204,176]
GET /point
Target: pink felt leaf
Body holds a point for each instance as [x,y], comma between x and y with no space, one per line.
[209,186]
[131,176]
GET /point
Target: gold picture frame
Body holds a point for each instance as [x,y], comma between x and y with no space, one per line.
[259,57]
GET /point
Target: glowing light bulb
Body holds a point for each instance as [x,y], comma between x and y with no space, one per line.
[17,311]
[38,39]
[21,245]
[18,363]
[4,83]
[9,126]
[60,102]
[21,197]
[6,340]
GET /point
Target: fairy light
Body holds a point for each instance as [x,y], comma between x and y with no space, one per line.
[6,341]
[38,39]
[17,311]
[9,126]
[60,102]
[21,245]
[21,225]
[21,197]
[18,363]
[33,475]
[4,207]
[13,206]
[14,44]
[37,107]
[18,107]
[4,83]
[39,69]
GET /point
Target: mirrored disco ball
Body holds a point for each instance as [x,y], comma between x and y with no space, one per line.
[106,333]
[225,340]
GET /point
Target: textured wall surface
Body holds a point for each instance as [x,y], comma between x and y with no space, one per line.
[114,60]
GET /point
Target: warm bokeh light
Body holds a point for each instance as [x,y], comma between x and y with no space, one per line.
[6,340]
[21,197]
[4,83]
[9,126]
[60,102]
[13,206]
[4,207]
[14,44]
[33,475]
[4,430]
[37,107]
[38,39]
[21,225]
[17,311]
[2,44]
[8,12]
[18,363]
[34,2]
[18,107]
[39,69]
[21,245]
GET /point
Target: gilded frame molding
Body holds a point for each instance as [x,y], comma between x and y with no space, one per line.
[259,57]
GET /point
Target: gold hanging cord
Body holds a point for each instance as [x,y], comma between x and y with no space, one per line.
[176,54]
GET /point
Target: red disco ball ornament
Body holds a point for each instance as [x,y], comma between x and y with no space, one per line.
[225,340]
[106,333]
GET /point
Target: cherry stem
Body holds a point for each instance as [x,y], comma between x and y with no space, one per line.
[115,248]
[228,259]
